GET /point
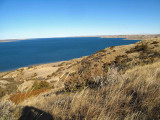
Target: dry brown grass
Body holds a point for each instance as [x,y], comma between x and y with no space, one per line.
[20,97]
[132,96]
[6,110]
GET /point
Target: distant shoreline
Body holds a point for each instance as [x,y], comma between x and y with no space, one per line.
[126,37]
[11,40]
[5,41]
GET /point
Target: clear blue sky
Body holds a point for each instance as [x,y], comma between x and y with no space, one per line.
[59,18]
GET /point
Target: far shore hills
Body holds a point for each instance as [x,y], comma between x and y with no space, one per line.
[127,37]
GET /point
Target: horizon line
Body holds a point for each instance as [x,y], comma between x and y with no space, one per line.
[76,36]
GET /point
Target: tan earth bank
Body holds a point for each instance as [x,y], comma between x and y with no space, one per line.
[119,82]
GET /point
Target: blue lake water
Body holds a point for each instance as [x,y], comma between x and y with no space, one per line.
[23,53]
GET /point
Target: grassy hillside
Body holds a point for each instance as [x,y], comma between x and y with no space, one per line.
[134,95]
[120,82]
[122,57]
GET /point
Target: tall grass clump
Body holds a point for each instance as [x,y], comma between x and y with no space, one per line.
[132,96]
[6,110]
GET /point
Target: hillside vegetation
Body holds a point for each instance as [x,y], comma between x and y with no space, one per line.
[121,82]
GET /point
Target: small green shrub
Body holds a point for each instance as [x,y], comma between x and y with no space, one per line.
[1,92]
[40,85]
[102,50]
[138,48]
[73,84]
[142,47]
[112,47]
[154,42]
[132,50]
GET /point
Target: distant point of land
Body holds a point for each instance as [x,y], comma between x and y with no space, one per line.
[5,41]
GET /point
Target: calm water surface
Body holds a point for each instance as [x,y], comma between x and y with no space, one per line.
[23,53]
